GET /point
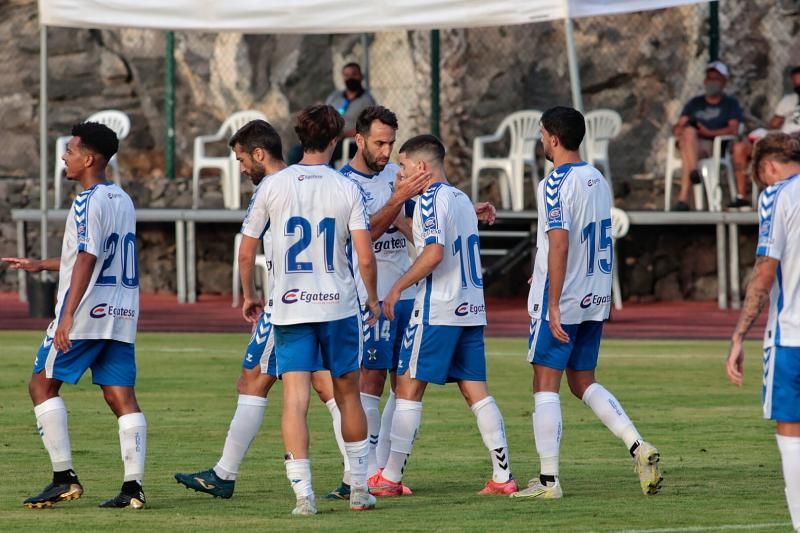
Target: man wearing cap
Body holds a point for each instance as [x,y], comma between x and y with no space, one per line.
[704,117]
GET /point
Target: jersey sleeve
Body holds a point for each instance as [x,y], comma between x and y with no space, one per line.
[359,219]
[89,222]
[772,225]
[556,192]
[433,214]
[256,221]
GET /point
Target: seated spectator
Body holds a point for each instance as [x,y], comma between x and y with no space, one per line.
[349,102]
[786,119]
[704,117]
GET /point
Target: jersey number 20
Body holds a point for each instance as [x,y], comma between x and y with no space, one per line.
[129,266]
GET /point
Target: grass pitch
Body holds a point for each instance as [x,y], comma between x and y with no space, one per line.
[719,458]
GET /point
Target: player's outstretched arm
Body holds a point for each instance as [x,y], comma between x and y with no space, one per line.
[33,265]
[406,189]
[252,306]
[423,265]
[403,225]
[367,266]
[558,240]
[81,275]
[757,297]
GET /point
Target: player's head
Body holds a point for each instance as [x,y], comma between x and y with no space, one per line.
[794,75]
[318,127]
[90,149]
[422,153]
[352,76]
[563,129]
[716,78]
[257,146]
[775,157]
[376,130]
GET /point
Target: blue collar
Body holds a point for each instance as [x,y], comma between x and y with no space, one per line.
[348,168]
[567,166]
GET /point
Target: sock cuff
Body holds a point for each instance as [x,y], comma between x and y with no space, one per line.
[131,420]
[591,389]
[541,398]
[357,448]
[370,398]
[331,404]
[298,468]
[482,403]
[787,443]
[46,406]
[248,399]
[407,405]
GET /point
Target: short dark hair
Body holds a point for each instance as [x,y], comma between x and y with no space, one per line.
[258,134]
[565,123]
[776,146]
[430,144]
[354,65]
[794,70]
[317,126]
[371,114]
[97,138]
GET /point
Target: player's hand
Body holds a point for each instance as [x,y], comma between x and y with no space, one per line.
[251,309]
[388,303]
[374,309]
[61,338]
[734,365]
[554,319]
[486,212]
[22,263]
[411,186]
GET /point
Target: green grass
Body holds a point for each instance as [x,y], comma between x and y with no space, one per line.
[719,458]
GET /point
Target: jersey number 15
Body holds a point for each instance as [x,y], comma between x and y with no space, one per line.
[597,243]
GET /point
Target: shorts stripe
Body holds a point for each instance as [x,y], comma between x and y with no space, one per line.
[412,363]
[533,336]
[50,361]
[362,324]
[769,377]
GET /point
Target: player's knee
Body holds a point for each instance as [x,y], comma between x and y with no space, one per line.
[578,386]
[373,381]
[688,134]
[121,401]
[41,390]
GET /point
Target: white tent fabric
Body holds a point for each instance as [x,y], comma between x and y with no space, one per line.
[325,16]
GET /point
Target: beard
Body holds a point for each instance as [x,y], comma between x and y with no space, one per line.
[257,173]
[548,156]
[372,162]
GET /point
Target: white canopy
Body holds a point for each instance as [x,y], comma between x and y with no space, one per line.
[326,16]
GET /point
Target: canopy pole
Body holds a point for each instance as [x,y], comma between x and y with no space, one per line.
[169,106]
[365,48]
[572,60]
[435,109]
[43,141]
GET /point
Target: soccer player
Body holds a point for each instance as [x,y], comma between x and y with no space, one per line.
[97,311]
[315,213]
[259,151]
[570,297]
[776,278]
[444,339]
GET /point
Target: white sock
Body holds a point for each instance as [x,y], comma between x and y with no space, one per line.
[51,420]
[493,433]
[790,459]
[405,425]
[372,411]
[357,457]
[336,415]
[244,426]
[547,430]
[384,440]
[298,471]
[611,413]
[133,445]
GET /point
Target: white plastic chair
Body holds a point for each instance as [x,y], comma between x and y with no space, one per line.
[228,166]
[524,131]
[709,170]
[602,125]
[620,224]
[119,124]
[261,264]
[347,143]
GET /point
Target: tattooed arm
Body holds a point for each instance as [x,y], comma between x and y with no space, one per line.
[757,297]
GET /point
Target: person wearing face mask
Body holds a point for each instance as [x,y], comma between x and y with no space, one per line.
[785,119]
[350,103]
[704,117]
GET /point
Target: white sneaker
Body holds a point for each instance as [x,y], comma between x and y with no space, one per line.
[536,489]
[361,499]
[646,463]
[305,506]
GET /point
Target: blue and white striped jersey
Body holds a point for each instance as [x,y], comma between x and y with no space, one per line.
[779,238]
[576,198]
[451,295]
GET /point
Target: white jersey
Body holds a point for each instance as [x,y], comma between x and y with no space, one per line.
[311,210]
[102,222]
[451,295]
[789,109]
[391,248]
[779,238]
[576,198]
[266,240]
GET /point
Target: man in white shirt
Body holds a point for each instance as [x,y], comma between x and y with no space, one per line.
[316,213]
[443,341]
[96,317]
[776,279]
[570,297]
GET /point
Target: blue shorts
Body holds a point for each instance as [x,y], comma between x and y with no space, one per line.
[781,393]
[382,342]
[440,354]
[334,346]
[112,362]
[580,353]
[261,349]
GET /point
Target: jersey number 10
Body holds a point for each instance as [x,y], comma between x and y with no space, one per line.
[601,243]
[470,256]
